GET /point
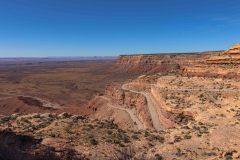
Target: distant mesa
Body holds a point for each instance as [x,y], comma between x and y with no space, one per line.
[234,49]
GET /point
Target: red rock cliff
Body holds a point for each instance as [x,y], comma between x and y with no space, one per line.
[147,63]
[130,100]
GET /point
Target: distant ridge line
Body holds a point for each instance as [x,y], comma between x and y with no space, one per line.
[180,53]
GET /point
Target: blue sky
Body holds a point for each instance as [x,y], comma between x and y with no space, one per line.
[40,28]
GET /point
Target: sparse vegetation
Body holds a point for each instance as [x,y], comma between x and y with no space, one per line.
[93,141]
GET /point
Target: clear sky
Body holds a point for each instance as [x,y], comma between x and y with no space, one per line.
[40,28]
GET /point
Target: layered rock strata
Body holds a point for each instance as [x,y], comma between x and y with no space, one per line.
[130,100]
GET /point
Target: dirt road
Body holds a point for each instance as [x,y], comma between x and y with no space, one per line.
[132,113]
[151,107]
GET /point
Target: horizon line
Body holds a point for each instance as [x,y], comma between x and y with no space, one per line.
[124,54]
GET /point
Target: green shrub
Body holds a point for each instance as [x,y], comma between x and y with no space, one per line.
[135,136]
[146,133]
[93,141]
[158,157]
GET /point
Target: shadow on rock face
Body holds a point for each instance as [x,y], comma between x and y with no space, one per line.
[22,147]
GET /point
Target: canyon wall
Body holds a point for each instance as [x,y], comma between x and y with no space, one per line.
[130,100]
[146,63]
[158,63]
[208,64]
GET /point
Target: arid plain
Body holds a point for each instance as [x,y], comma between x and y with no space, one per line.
[67,84]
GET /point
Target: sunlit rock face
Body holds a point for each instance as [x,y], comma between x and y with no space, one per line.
[152,63]
[234,49]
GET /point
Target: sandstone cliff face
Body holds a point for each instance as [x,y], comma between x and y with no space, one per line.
[174,63]
[231,56]
[210,64]
[223,64]
[212,71]
[147,64]
[234,49]
[130,100]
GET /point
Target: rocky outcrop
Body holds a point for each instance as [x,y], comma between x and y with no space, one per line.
[229,57]
[130,100]
[234,50]
[212,71]
[222,64]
